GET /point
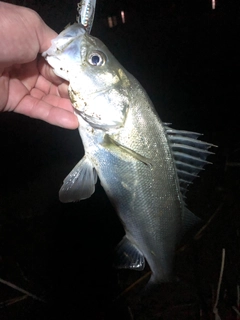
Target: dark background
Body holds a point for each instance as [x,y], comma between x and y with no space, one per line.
[186,56]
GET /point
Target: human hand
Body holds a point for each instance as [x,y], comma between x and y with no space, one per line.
[28,84]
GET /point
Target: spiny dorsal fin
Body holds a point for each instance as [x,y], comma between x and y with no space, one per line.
[189,154]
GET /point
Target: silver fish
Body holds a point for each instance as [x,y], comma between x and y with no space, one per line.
[144,165]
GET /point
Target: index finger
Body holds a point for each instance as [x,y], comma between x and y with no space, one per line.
[47,72]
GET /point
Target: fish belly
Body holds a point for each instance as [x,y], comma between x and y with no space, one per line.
[151,216]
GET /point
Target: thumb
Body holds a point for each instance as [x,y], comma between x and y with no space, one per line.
[45,34]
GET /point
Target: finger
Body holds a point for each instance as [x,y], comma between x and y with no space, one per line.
[63,90]
[47,72]
[53,93]
[48,87]
[42,110]
[52,99]
[27,74]
[4,87]
[16,92]
[45,85]
[45,35]
[23,35]
[58,102]
[36,93]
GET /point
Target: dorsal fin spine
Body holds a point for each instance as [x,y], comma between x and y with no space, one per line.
[189,155]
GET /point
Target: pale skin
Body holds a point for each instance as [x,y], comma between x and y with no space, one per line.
[28,84]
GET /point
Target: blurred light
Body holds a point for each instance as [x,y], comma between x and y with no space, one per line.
[123,16]
[110,22]
[114,20]
[213,4]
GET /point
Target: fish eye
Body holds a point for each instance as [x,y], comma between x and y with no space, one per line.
[97,58]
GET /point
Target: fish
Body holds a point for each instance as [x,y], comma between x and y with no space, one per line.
[144,165]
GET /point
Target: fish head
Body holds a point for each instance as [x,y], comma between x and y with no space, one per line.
[99,87]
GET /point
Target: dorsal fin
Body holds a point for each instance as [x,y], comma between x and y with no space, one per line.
[189,154]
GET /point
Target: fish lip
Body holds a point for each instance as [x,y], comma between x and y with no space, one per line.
[51,58]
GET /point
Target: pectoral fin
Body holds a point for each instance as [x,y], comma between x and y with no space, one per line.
[110,141]
[128,256]
[80,183]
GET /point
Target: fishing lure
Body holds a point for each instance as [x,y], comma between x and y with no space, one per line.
[86,12]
